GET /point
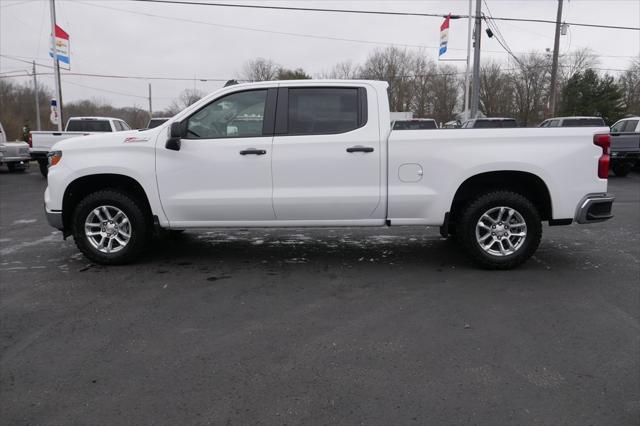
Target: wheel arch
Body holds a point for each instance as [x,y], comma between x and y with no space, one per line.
[526,184]
[84,185]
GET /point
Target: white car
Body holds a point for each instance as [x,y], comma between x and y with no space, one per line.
[321,154]
[42,141]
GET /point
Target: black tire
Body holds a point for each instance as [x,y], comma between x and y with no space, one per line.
[622,169]
[140,226]
[15,167]
[44,167]
[470,216]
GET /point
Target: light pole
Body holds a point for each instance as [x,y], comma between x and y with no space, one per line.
[554,63]
[475,99]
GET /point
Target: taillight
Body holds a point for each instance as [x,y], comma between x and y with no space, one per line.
[604,142]
[30,140]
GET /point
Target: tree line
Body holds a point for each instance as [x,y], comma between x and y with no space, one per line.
[519,88]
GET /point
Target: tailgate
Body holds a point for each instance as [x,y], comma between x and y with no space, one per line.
[15,149]
[43,141]
[625,142]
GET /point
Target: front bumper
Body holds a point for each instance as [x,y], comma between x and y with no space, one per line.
[55,219]
[595,208]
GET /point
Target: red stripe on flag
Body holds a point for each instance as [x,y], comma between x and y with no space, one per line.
[60,33]
[445,24]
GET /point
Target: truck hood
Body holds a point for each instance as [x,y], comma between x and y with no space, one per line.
[107,140]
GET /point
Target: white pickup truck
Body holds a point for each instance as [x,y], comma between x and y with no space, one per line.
[41,142]
[321,154]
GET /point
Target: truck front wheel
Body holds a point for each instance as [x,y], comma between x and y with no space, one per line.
[109,227]
[500,230]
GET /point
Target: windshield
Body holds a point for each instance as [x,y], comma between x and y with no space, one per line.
[583,122]
[88,126]
[492,124]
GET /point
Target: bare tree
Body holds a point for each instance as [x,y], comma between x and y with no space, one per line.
[444,90]
[186,98]
[531,87]
[423,70]
[260,69]
[496,91]
[392,65]
[629,83]
[342,71]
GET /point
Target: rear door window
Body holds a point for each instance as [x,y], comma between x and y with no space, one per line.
[321,111]
[630,126]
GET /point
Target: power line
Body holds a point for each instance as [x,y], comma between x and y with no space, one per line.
[15,4]
[119,76]
[286,33]
[105,90]
[376,12]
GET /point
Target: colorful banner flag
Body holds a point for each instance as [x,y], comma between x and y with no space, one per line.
[62,46]
[444,35]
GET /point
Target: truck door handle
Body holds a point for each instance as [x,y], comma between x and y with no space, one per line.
[253,151]
[359,148]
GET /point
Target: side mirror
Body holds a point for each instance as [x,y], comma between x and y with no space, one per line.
[175,134]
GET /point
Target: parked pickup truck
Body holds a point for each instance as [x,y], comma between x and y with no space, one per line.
[625,145]
[41,142]
[321,154]
[14,154]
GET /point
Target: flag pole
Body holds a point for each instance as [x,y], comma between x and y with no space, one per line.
[56,63]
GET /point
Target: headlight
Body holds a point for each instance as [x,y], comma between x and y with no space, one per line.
[54,157]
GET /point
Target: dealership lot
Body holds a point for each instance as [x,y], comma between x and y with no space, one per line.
[355,326]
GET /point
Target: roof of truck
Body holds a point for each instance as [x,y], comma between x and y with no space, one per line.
[491,118]
[94,118]
[575,117]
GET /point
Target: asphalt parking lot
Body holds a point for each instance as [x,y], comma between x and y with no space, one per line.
[349,326]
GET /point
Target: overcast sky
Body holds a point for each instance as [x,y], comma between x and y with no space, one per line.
[164,40]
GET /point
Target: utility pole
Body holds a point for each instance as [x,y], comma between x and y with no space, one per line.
[554,63]
[150,109]
[467,71]
[475,99]
[35,91]
[56,63]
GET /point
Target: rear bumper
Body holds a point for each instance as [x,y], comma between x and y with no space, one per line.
[595,208]
[39,155]
[24,159]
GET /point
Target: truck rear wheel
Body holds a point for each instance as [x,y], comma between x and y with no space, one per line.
[109,227]
[499,230]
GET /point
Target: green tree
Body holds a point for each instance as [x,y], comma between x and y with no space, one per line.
[586,93]
[287,74]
